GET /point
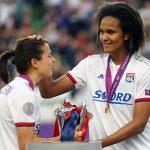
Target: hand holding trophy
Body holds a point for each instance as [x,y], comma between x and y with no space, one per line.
[68,118]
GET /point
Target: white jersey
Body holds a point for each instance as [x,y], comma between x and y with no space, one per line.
[18,107]
[134,87]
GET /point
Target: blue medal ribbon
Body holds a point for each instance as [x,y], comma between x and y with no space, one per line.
[70,127]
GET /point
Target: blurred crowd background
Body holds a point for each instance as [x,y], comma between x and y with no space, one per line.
[68,25]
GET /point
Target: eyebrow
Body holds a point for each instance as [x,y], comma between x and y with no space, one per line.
[109,29]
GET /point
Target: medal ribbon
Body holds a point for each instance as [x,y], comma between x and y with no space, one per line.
[111,87]
[69,127]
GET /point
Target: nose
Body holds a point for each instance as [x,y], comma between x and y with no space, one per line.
[53,59]
[104,36]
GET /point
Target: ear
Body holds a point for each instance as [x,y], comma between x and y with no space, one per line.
[34,63]
[126,36]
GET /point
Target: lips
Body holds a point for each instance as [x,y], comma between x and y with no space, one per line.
[107,47]
[107,44]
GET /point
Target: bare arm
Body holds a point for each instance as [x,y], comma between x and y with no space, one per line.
[49,88]
[26,135]
[136,126]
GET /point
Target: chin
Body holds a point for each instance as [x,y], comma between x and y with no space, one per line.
[48,75]
[108,50]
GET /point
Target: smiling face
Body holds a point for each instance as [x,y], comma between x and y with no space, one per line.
[112,37]
[45,64]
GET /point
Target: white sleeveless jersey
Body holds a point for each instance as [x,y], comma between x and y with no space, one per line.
[134,87]
[18,107]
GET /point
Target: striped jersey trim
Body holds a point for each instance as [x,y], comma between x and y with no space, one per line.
[20,124]
[71,77]
[142,100]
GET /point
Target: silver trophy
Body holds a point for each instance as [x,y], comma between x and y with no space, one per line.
[61,113]
[83,113]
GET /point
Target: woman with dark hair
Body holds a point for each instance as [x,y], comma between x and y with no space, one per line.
[19,107]
[117,81]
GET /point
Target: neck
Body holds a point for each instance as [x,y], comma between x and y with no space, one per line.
[118,58]
[31,77]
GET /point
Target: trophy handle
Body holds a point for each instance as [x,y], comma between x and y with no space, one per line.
[82,114]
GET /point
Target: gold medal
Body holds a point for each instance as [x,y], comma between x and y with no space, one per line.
[107,107]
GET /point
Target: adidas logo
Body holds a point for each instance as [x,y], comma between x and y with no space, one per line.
[101,76]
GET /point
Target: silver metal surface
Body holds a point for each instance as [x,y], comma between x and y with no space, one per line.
[65,146]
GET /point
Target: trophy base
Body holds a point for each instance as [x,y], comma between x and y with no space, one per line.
[65,146]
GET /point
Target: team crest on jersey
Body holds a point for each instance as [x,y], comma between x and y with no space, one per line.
[147,92]
[130,77]
[28,108]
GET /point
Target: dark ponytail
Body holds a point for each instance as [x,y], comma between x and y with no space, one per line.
[5,60]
